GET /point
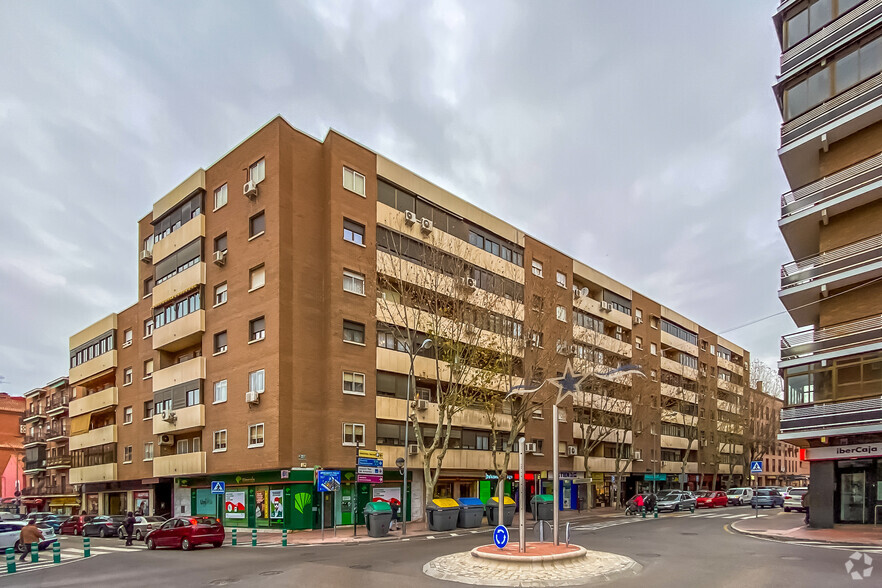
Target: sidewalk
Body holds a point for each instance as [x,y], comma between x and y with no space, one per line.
[790,527]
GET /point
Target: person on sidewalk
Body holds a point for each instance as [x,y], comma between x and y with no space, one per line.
[29,534]
[650,502]
[806,505]
[129,525]
[640,501]
[394,504]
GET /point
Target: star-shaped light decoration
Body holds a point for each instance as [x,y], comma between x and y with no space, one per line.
[569,383]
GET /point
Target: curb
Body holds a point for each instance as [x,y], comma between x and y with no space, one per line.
[782,539]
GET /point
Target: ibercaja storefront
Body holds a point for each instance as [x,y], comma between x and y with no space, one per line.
[282,499]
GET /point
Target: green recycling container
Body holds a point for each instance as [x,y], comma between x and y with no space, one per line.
[543,507]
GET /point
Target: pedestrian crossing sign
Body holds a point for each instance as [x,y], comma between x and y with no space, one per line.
[756,467]
[218,487]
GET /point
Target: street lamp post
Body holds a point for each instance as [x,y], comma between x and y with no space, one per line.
[404,501]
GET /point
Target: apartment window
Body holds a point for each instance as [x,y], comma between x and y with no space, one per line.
[220,243]
[353,383]
[193,397]
[638,314]
[353,181]
[220,294]
[638,342]
[127,376]
[256,329]
[353,282]
[353,232]
[220,441]
[257,381]
[561,314]
[256,225]
[539,443]
[255,435]
[220,391]
[257,277]
[127,337]
[148,286]
[653,322]
[127,415]
[127,454]
[561,279]
[653,375]
[148,410]
[182,447]
[353,332]
[148,368]
[537,268]
[653,348]
[148,451]
[148,328]
[220,197]
[537,414]
[220,342]
[353,434]
[257,172]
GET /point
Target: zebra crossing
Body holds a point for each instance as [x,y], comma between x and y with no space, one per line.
[68,555]
[720,515]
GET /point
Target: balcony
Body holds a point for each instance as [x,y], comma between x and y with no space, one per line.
[668,340]
[94,438]
[838,418]
[729,386]
[180,333]
[57,404]
[179,283]
[591,338]
[592,306]
[96,473]
[806,135]
[733,367]
[858,336]
[676,367]
[394,409]
[830,37]
[58,462]
[606,464]
[35,439]
[186,464]
[458,459]
[185,419]
[33,414]
[190,230]
[809,279]
[94,366]
[57,434]
[34,466]
[187,371]
[676,467]
[95,401]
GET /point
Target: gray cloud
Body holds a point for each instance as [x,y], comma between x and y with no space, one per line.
[638,137]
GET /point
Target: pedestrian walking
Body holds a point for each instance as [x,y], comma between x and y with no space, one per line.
[806,505]
[29,534]
[394,503]
[129,526]
[640,502]
[650,502]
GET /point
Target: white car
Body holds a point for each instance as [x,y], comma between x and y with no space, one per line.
[143,525]
[793,499]
[10,531]
[739,496]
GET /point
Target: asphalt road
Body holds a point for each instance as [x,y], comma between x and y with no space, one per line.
[674,550]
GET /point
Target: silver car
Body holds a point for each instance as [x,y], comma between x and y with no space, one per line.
[676,500]
[793,499]
[143,525]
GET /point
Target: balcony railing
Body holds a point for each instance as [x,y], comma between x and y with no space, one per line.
[828,262]
[851,178]
[822,416]
[810,341]
[58,401]
[838,106]
[37,464]
[34,412]
[50,490]
[56,432]
[36,438]
[58,461]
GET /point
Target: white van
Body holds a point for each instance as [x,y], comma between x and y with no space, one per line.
[739,496]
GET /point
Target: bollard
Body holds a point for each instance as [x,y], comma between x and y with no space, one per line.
[284,537]
[87,547]
[692,508]
[655,512]
[56,552]
[643,511]
[10,560]
[234,538]
[253,537]
[35,552]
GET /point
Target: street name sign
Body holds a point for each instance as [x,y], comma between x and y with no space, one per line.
[370,453]
[370,471]
[370,462]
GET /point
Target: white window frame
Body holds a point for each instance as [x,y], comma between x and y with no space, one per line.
[215,448]
[354,436]
[638,342]
[252,375]
[148,451]
[356,278]
[251,274]
[653,349]
[128,376]
[257,171]
[537,268]
[127,454]
[220,194]
[219,291]
[148,328]
[561,279]
[561,314]
[182,443]
[262,435]
[217,386]
[148,375]
[128,415]
[127,337]
[354,375]
[351,175]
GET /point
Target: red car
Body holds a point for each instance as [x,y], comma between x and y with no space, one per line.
[187,533]
[74,525]
[711,499]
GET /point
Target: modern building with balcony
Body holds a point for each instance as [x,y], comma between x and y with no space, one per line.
[265,343]
[830,95]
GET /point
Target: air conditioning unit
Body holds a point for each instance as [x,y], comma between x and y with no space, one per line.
[605,306]
[585,292]
[704,442]
[574,349]
[571,450]
[250,189]
[576,292]
[410,217]
[413,449]
[426,225]
[252,397]
[166,439]
[146,255]
[220,257]
[468,283]
[620,330]
[638,455]
[169,416]
[422,404]
[638,320]
[531,448]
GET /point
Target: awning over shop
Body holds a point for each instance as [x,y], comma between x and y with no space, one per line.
[79,424]
[64,502]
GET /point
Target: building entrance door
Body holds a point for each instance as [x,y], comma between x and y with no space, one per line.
[852,497]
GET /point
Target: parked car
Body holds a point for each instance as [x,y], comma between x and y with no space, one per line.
[739,496]
[55,521]
[764,497]
[103,526]
[10,516]
[11,530]
[143,525]
[187,533]
[711,499]
[793,500]
[675,500]
[74,525]
[39,516]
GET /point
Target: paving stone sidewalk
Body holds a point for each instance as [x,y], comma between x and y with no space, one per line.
[790,527]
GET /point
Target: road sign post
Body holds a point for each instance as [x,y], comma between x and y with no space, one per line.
[218,487]
[500,535]
[756,467]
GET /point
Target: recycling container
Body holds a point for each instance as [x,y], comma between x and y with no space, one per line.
[471,513]
[442,514]
[543,507]
[377,517]
[508,510]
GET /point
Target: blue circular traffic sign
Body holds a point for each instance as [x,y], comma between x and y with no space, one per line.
[500,536]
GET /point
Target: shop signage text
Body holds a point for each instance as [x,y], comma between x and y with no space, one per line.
[843,452]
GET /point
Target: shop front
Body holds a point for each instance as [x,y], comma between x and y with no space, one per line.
[146,497]
[846,484]
[66,505]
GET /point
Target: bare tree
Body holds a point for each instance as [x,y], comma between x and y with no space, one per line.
[772,383]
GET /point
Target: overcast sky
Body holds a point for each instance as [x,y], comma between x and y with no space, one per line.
[639,137]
